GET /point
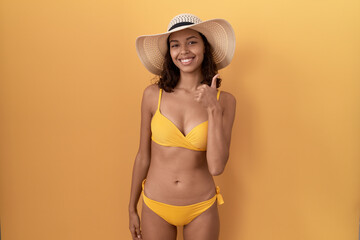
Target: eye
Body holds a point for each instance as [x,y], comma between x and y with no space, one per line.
[174,45]
[192,42]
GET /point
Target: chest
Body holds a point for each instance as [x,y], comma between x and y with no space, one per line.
[183,111]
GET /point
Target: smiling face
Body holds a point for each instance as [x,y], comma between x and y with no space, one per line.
[187,50]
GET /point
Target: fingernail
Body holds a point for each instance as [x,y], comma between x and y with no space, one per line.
[138,236]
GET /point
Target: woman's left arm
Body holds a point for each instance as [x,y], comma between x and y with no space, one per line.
[221,116]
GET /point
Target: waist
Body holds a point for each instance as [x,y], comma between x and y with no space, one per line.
[179,189]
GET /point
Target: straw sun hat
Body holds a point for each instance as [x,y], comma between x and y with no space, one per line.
[151,49]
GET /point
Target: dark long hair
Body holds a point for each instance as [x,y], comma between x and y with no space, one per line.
[170,74]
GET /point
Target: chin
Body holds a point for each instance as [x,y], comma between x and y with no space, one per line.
[189,69]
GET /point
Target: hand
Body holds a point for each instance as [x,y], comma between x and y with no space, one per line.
[207,95]
[134,226]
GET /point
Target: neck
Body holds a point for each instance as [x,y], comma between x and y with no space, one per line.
[189,81]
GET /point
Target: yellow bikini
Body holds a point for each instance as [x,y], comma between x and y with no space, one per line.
[165,133]
[180,215]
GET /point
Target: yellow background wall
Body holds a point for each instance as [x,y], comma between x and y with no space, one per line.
[70,91]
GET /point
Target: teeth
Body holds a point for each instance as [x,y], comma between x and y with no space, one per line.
[185,60]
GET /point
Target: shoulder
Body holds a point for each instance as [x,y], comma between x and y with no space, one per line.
[227,99]
[151,91]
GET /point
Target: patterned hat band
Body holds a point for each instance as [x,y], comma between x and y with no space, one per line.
[180,25]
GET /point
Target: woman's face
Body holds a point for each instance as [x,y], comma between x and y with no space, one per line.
[187,50]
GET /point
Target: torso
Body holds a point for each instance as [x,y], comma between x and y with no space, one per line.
[179,176]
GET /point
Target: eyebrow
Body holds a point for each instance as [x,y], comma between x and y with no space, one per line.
[186,39]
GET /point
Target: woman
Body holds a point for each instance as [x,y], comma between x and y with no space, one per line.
[185,130]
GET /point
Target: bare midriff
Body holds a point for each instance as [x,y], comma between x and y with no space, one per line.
[178,176]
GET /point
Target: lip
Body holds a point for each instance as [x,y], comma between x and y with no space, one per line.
[186,61]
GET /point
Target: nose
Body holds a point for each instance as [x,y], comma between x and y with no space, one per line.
[184,49]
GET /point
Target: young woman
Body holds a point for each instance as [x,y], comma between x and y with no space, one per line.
[186,127]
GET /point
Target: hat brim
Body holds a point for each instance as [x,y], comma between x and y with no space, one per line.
[151,49]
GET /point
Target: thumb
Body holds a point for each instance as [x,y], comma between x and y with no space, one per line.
[213,82]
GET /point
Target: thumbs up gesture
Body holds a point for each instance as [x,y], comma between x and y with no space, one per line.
[207,95]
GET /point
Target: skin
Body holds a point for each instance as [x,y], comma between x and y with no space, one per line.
[175,175]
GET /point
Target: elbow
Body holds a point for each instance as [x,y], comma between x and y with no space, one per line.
[216,171]
[217,164]
[142,160]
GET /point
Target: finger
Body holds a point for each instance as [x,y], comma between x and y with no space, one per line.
[138,233]
[213,82]
[198,93]
[133,233]
[202,86]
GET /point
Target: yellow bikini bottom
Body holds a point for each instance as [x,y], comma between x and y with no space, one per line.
[180,215]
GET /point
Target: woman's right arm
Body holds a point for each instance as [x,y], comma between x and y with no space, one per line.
[142,160]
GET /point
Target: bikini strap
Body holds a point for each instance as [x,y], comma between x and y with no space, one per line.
[218,94]
[160,93]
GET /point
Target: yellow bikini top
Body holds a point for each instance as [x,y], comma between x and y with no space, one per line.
[165,133]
